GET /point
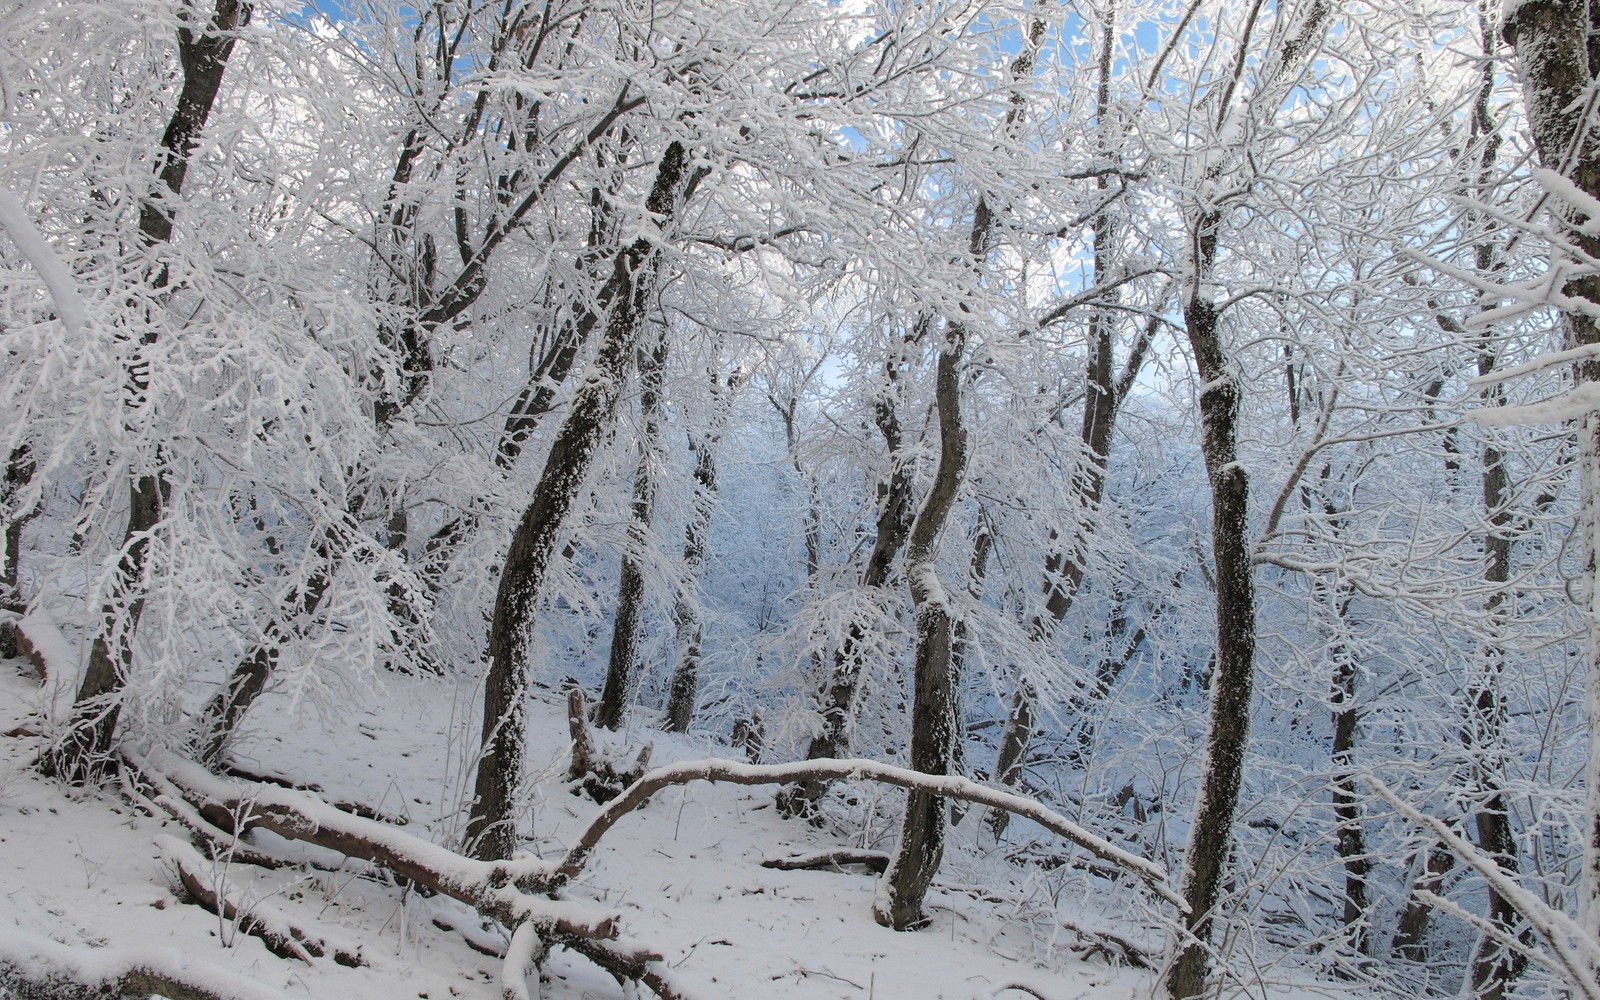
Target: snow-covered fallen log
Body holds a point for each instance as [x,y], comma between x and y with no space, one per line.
[507,891]
[210,888]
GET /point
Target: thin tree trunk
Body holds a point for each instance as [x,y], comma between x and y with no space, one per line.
[1350,840]
[894,525]
[1233,679]
[1495,966]
[922,829]
[81,754]
[1105,392]
[622,670]
[490,833]
[683,690]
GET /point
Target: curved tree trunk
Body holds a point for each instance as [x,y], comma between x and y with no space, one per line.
[922,829]
[490,833]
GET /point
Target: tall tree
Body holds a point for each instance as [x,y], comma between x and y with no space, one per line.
[205,42]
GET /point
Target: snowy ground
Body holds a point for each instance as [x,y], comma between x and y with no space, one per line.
[83,868]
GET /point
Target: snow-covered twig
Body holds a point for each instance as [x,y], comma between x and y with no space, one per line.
[1573,950]
[69,304]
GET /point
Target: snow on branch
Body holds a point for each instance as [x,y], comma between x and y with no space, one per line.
[1572,949]
[36,968]
[503,890]
[830,769]
[69,304]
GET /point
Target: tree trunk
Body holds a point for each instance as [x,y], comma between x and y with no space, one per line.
[81,754]
[1495,966]
[1350,840]
[921,847]
[490,833]
[1211,831]
[1558,51]
[19,471]
[839,693]
[622,670]
[683,690]
[1105,391]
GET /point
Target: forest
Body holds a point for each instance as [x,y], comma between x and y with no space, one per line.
[1102,492]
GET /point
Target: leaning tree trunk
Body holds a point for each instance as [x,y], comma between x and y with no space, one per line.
[490,833]
[838,694]
[80,755]
[622,670]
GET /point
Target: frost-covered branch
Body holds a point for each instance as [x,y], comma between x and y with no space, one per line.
[734,772]
[1576,953]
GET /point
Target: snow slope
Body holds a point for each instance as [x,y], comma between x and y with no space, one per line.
[84,869]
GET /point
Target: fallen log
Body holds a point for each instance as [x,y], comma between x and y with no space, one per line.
[875,861]
[281,934]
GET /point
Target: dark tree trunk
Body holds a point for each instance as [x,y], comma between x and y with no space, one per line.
[490,833]
[623,669]
[81,754]
[1233,680]
[1351,841]
[683,691]
[1105,392]
[1557,44]
[19,472]
[922,829]
[1233,676]
[1495,966]
[839,693]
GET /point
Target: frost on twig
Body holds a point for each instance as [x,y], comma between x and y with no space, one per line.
[1572,950]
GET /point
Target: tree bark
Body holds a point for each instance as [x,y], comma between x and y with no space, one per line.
[1233,676]
[894,524]
[683,690]
[490,832]
[922,829]
[1557,46]
[19,471]
[622,669]
[1105,391]
[81,754]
